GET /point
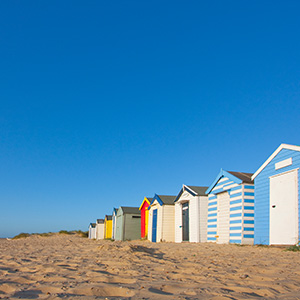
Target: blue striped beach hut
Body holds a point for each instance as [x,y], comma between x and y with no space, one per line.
[277,194]
[230,216]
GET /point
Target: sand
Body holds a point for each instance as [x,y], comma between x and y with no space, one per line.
[71,267]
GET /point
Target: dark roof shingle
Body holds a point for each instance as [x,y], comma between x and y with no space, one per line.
[200,190]
[245,177]
[167,199]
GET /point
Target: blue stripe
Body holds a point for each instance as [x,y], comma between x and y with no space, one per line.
[248,194]
[248,200]
[211,232]
[223,182]
[212,215]
[211,239]
[249,187]
[212,226]
[212,203]
[212,197]
[235,234]
[249,207]
[212,209]
[218,191]
[235,215]
[235,195]
[248,215]
[249,236]
[248,229]
[212,220]
[235,241]
[235,221]
[248,221]
[235,208]
[236,228]
[236,201]
[236,188]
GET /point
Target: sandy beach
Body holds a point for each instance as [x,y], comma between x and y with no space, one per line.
[71,267]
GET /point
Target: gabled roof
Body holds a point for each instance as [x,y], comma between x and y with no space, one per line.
[130,210]
[100,221]
[115,210]
[163,199]
[282,146]
[237,177]
[93,225]
[108,217]
[146,199]
[245,177]
[193,190]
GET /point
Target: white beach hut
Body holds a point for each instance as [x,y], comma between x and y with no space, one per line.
[162,219]
[191,214]
[277,197]
[92,231]
[114,223]
[230,216]
[100,229]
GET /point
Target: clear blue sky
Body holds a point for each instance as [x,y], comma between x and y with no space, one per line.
[105,102]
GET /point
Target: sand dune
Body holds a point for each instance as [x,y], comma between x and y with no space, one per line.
[71,267]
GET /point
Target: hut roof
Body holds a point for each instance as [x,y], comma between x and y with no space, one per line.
[130,210]
[245,177]
[200,190]
[108,217]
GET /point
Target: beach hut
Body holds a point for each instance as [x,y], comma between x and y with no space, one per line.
[92,231]
[230,216]
[144,216]
[114,220]
[161,225]
[108,227]
[191,214]
[100,229]
[128,223]
[277,198]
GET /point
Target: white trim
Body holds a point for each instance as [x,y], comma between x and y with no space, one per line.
[282,146]
[284,173]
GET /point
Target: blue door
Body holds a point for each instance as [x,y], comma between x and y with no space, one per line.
[154,225]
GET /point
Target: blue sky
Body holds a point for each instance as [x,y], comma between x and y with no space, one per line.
[105,102]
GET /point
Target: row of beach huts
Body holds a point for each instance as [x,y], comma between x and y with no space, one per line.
[238,207]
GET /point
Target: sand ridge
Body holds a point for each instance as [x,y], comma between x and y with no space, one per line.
[71,267]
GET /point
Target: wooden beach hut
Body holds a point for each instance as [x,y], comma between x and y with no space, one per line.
[114,220]
[128,223]
[191,214]
[161,219]
[144,216]
[92,231]
[100,229]
[230,216]
[277,198]
[108,227]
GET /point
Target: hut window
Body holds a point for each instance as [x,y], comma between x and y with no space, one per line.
[136,217]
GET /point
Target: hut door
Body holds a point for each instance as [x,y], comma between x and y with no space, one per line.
[284,208]
[223,218]
[154,225]
[185,221]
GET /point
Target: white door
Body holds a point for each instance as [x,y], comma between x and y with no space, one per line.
[223,218]
[284,209]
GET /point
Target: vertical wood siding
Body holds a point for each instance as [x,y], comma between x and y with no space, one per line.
[100,231]
[203,206]
[178,222]
[194,220]
[167,223]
